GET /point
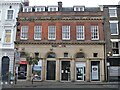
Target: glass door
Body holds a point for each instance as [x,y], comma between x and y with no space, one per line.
[65,71]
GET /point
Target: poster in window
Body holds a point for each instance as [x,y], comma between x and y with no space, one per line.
[8,36]
[37,69]
[95,73]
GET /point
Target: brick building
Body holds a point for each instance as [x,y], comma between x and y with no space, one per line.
[68,41]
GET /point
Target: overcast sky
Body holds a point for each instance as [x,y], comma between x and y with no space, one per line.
[70,3]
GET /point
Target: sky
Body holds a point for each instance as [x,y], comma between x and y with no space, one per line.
[70,3]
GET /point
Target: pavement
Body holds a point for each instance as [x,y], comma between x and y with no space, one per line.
[55,84]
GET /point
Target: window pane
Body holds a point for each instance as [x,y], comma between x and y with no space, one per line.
[80,32]
[112,12]
[7,36]
[10,14]
[24,32]
[94,32]
[52,32]
[66,32]
[37,32]
[113,28]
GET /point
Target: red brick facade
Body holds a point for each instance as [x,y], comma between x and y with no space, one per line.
[58,23]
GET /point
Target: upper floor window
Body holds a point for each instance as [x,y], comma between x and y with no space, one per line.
[66,32]
[37,32]
[52,8]
[80,32]
[27,9]
[114,27]
[112,11]
[94,33]
[24,32]
[51,32]
[39,9]
[10,14]
[115,48]
[7,38]
[78,8]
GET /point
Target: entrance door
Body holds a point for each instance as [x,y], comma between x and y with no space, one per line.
[80,71]
[65,70]
[51,70]
[5,68]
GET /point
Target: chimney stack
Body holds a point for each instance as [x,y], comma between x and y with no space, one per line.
[60,6]
[26,2]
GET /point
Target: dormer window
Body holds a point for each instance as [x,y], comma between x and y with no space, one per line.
[78,8]
[39,9]
[27,9]
[54,8]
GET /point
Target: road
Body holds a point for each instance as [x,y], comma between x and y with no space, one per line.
[63,85]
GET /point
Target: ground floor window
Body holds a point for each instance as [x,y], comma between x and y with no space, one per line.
[37,70]
[22,71]
[80,71]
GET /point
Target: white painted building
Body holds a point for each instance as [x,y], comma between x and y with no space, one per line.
[8,13]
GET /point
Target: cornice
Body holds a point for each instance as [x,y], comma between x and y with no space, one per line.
[39,19]
[61,42]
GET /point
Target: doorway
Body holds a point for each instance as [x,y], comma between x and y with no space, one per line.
[65,71]
[51,70]
[5,68]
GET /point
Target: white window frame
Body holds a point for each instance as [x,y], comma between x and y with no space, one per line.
[37,30]
[7,14]
[40,9]
[117,27]
[26,32]
[79,8]
[79,32]
[51,33]
[113,8]
[27,9]
[5,36]
[50,8]
[67,30]
[93,32]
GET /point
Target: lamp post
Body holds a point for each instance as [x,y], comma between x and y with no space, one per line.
[108,66]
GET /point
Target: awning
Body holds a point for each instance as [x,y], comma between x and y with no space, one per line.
[23,62]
